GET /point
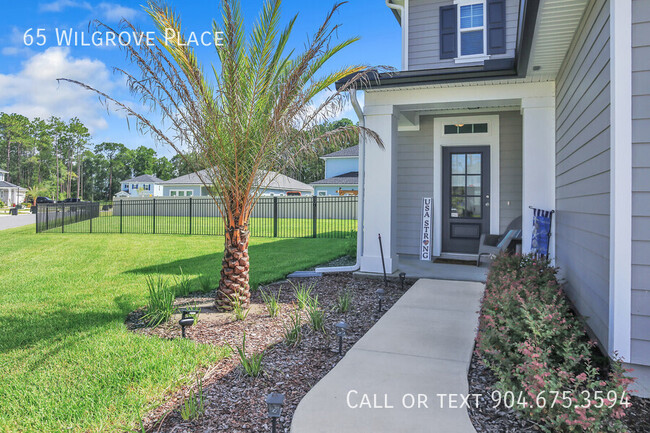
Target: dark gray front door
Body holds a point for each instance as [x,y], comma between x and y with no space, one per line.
[465,197]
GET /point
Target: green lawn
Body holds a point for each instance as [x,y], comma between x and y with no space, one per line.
[260,227]
[67,363]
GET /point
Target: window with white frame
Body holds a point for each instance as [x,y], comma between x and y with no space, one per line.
[181,193]
[322,193]
[471,28]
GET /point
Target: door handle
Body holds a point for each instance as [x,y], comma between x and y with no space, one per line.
[487,204]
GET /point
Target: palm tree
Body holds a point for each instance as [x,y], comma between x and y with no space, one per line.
[247,120]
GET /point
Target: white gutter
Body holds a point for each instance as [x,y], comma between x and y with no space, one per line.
[404,24]
[362,169]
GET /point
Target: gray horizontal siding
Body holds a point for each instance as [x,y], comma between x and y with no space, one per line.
[583,168]
[424,28]
[640,345]
[415,177]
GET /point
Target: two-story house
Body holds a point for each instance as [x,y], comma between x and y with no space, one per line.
[10,194]
[341,173]
[146,185]
[506,105]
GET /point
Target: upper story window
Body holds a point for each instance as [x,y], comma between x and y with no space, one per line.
[471,28]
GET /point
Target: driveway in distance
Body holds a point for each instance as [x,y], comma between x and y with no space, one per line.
[11,221]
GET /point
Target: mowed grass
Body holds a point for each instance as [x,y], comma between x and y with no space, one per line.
[259,227]
[67,362]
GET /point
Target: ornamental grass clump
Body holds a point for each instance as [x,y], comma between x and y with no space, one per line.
[539,351]
[272,302]
[160,304]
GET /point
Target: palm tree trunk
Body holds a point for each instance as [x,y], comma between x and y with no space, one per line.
[234,283]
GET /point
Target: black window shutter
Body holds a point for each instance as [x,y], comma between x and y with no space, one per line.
[496,26]
[448,31]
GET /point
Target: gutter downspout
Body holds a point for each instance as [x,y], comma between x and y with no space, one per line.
[400,10]
[362,170]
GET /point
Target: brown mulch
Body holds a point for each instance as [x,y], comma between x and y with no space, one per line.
[235,402]
[487,419]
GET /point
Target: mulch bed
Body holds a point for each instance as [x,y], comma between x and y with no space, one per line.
[487,419]
[235,402]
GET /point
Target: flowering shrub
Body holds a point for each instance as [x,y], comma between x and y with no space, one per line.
[539,351]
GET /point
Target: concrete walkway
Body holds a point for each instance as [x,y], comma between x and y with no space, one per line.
[11,221]
[420,348]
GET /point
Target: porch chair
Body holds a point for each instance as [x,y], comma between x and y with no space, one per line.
[493,245]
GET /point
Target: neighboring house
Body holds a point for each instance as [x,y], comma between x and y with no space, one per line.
[341,173]
[146,185]
[192,185]
[9,193]
[503,105]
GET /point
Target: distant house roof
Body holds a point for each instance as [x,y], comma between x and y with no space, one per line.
[5,184]
[3,171]
[351,178]
[347,152]
[279,181]
[144,178]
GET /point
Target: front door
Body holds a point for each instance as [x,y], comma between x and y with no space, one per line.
[465,197]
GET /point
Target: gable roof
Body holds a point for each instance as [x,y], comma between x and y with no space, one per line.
[350,178]
[5,184]
[279,181]
[347,152]
[147,178]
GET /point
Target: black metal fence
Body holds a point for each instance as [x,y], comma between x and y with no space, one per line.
[284,217]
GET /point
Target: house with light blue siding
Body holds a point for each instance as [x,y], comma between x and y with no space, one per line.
[502,106]
[146,185]
[341,173]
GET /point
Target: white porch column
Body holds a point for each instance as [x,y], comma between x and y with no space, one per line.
[538,164]
[379,200]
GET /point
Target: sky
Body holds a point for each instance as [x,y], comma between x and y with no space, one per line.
[31,60]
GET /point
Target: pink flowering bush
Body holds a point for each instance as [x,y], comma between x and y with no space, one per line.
[539,351]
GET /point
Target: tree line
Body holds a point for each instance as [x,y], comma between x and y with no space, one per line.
[57,159]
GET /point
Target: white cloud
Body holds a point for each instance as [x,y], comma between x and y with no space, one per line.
[115,12]
[34,91]
[59,5]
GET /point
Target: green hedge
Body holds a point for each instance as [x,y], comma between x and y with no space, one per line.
[539,351]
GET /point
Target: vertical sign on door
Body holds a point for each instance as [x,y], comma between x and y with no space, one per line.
[425,245]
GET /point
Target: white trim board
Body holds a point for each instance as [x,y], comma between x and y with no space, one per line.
[491,138]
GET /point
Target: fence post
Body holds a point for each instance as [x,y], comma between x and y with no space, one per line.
[62,217]
[92,207]
[190,215]
[154,216]
[275,217]
[121,214]
[314,214]
[47,218]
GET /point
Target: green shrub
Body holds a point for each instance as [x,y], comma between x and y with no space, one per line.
[183,284]
[539,351]
[251,365]
[293,330]
[193,406]
[316,315]
[344,301]
[302,292]
[272,302]
[351,244]
[160,304]
[205,281]
[238,310]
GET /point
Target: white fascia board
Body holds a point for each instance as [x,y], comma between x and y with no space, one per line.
[620,234]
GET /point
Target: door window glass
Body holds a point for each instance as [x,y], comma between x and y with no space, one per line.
[466,185]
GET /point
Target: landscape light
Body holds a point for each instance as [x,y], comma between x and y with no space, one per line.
[187,319]
[380,295]
[274,402]
[341,327]
[402,277]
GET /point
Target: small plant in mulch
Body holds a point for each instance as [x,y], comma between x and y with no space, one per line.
[302,292]
[206,284]
[344,301]
[183,284]
[251,365]
[540,354]
[193,407]
[293,329]
[316,315]
[272,302]
[238,310]
[160,303]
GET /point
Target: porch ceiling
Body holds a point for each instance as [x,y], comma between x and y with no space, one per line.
[461,105]
[557,22]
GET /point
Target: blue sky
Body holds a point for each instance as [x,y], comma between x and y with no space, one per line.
[27,73]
